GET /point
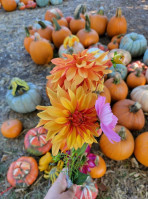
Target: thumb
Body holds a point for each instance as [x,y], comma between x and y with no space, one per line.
[70,193]
[60,184]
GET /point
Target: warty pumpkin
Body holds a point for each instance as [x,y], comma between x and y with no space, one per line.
[9,5]
[118,150]
[141,148]
[53,13]
[117,87]
[137,65]
[129,114]
[99,21]
[135,79]
[117,24]
[59,33]
[27,40]
[87,36]
[41,50]
[140,94]
[45,31]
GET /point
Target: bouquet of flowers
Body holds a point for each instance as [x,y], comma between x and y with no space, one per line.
[76,116]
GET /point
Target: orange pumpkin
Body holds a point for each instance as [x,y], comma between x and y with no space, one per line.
[62,21]
[31,30]
[77,23]
[141,148]
[53,13]
[117,38]
[118,150]
[113,45]
[129,114]
[106,93]
[23,172]
[59,33]
[117,24]
[45,31]
[88,36]
[11,128]
[9,5]
[27,40]
[99,170]
[25,1]
[99,21]
[41,50]
[135,79]
[117,87]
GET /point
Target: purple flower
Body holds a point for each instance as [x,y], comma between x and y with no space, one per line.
[90,163]
[107,119]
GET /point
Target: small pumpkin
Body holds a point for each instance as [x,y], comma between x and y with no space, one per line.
[137,65]
[141,148]
[117,88]
[106,93]
[117,38]
[53,13]
[25,1]
[9,5]
[140,94]
[27,40]
[22,97]
[44,161]
[99,170]
[146,75]
[129,114]
[136,79]
[117,24]
[31,30]
[31,5]
[120,68]
[56,2]
[118,150]
[113,45]
[126,56]
[42,3]
[23,172]
[11,128]
[77,23]
[99,21]
[21,6]
[87,36]
[145,57]
[59,33]
[135,43]
[62,21]
[35,141]
[41,50]
[45,31]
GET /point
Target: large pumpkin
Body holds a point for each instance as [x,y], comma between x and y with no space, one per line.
[35,141]
[9,5]
[42,3]
[117,88]
[145,57]
[141,148]
[120,68]
[118,150]
[129,114]
[135,43]
[140,94]
[23,172]
[117,24]
[23,97]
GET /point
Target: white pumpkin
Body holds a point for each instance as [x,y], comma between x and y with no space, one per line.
[140,94]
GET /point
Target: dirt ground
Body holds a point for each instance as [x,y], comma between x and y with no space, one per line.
[124,179]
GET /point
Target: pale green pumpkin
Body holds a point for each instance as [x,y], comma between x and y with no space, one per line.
[56,2]
[120,68]
[145,57]
[42,3]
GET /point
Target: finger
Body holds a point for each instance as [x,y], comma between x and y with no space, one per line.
[70,193]
[60,184]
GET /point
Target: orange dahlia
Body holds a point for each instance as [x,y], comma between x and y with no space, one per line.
[81,69]
[71,119]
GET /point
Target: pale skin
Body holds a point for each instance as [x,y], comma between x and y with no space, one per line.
[59,189]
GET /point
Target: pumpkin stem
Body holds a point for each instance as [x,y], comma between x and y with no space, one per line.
[42,24]
[79,9]
[87,24]
[118,12]
[27,32]
[18,86]
[57,26]
[101,11]
[117,78]
[138,72]
[135,107]
[122,133]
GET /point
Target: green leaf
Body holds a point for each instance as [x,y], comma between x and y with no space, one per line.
[80,151]
[81,178]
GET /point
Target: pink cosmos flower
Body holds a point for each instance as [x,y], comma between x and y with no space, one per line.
[107,119]
[90,163]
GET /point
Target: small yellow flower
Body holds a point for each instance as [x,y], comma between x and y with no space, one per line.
[44,161]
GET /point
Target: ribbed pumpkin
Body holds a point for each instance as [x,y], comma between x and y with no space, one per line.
[118,150]
[117,87]
[9,5]
[87,36]
[135,43]
[145,57]
[42,3]
[56,2]
[99,21]
[135,79]
[120,68]
[140,94]
[45,31]
[27,40]
[35,141]
[117,24]
[23,172]
[106,93]
[129,114]
[41,50]
[53,13]
[141,148]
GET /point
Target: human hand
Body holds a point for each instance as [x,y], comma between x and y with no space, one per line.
[58,189]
